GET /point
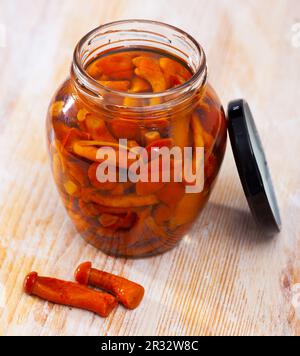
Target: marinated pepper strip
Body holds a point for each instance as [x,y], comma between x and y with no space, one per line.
[175,73]
[152,137]
[149,69]
[128,293]
[127,201]
[97,128]
[72,136]
[57,108]
[72,189]
[139,85]
[70,294]
[201,137]
[122,128]
[188,209]
[116,85]
[77,171]
[89,209]
[90,149]
[94,70]
[180,130]
[116,222]
[117,66]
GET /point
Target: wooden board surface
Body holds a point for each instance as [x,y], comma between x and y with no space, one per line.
[226,277]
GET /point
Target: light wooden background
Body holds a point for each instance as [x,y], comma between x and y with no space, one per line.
[225,278]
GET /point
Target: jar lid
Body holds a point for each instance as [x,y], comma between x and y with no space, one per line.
[253,167]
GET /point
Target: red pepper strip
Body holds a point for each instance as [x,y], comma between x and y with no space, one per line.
[128,293]
[70,294]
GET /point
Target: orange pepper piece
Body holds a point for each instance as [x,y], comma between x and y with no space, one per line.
[127,129]
[175,73]
[94,70]
[180,130]
[128,293]
[78,171]
[130,201]
[72,136]
[131,102]
[109,221]
[88,209]
[151,137]
[117,66]
[57,108]
[114,222]
[57,168]
[171,194]
[198,132]
[72,189]
[149,69]
[97,128]
[89,150]
[139,85]
[69,294]
[201,137]
[188,209]
[117,85]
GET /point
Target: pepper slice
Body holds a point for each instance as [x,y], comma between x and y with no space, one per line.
[175,73]
[122,128]
[116,85]
[188,209]
[139,85]
[127,201]
[149,69]
[97,128]
[90,149]
[116,66]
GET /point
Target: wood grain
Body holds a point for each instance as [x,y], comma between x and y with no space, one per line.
[226,278]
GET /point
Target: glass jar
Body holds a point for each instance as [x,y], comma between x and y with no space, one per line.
[123,217]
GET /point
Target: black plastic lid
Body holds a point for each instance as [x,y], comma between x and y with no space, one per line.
[253,167]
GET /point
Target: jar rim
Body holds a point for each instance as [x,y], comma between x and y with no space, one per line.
[199,77]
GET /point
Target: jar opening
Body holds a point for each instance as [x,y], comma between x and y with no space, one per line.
[139,34]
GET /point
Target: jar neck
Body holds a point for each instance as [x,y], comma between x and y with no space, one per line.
[138,34]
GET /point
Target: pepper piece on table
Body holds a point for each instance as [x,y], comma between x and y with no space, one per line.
[128,293]
[69,294]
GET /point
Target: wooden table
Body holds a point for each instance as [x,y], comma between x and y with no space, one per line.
[226,277]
